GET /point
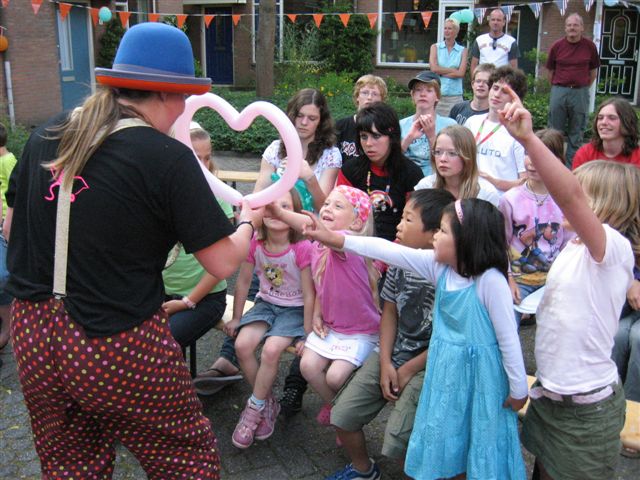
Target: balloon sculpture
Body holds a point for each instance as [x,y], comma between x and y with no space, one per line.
[242,121]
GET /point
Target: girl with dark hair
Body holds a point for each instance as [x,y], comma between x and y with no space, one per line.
[615,135]
[381,170]
[309,112]
[475,381]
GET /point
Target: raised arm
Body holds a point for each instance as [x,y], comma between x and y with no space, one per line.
[562,185]
[264,177]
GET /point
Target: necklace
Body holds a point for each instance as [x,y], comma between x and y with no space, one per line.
[495,129]
[539,201]
[386,190]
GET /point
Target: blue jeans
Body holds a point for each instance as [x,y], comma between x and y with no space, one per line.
[626,354]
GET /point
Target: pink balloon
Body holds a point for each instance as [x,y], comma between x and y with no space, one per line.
[242,121]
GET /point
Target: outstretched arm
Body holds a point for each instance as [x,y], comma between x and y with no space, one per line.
[562,185]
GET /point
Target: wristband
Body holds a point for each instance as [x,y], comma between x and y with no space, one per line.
[247,222]
[187,301]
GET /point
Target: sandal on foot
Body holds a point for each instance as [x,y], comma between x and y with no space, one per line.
[213,380]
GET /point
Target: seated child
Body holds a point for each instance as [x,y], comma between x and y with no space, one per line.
[397,373]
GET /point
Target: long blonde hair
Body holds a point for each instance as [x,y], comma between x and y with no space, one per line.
[465,146]
[88,126]
[372,272]
[614,192]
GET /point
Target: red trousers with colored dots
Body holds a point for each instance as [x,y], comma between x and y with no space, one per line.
[84,393]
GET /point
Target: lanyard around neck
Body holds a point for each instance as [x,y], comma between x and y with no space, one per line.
[495,129]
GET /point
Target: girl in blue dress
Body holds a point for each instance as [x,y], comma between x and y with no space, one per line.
[475,381]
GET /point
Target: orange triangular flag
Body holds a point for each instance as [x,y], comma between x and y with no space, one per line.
[64,10]
[181,18]
[344,18]
[154,17]
[207,19]
[399,18]
[236,19]
[317,17]
[373,18]
[124,17]
[35,5]
[5,3]
[426,18]
[94,16]
[292,17]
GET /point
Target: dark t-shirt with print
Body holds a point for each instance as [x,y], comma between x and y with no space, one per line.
[387,198]
[462,110]
[347,138]
[414,297]
[138,194]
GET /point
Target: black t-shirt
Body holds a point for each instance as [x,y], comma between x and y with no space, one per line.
[138,194]
[461,111]
[347,138]
[386,217]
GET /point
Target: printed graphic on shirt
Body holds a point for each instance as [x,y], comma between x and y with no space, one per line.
[543,237]
[58,182]
[380,201]
[348,149]
[274,274]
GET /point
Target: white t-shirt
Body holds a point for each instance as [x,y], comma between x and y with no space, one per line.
[330,158]
[487,191]
[506,48]
[500,155]
[492,289]
[578,316]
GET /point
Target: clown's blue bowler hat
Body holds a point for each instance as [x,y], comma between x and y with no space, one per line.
[156,57]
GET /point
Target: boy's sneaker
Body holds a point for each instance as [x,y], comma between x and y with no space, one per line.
[324,415]
[268,422]
[245,430]
[291,400]
[350,473]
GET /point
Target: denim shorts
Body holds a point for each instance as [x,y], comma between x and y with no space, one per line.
[282,321]
[5,298]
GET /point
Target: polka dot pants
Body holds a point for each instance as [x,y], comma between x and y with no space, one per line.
[84,393]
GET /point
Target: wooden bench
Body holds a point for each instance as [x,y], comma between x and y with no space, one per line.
[234,176]
[630,434]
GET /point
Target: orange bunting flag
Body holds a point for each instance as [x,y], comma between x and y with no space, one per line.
[344,18]
[207,20]
[292,17]
[35,5]
[5,3]
[317,17]
[181,18]
[94,16]
[426,18]
[373,18]
[124,17]
[236,19]
[64,10]
[399,18]
[154,17]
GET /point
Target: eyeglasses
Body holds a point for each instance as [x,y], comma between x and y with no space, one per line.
[445,153]
[369,93]
[486,82]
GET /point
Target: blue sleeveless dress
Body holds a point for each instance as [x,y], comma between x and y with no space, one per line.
[460,424]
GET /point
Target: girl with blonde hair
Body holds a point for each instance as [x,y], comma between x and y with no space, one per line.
[454,163]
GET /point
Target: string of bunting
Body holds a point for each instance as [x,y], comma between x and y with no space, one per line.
[104,14]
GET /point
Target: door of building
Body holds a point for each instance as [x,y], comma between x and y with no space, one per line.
[620,41]
[219,46]
[75,60]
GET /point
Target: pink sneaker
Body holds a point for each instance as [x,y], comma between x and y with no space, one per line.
[268,422]
[324,415]
[245,430]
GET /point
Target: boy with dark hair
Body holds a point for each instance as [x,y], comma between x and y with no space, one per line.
[395,374]
[500,157]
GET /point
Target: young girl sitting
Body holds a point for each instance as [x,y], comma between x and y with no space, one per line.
[346,319]
[475,380]
[281,315]
[454,161]
[533,224]
[577,406]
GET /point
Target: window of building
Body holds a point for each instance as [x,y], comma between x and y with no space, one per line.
[409,46]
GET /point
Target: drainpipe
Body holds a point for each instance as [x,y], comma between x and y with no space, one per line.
[7,76]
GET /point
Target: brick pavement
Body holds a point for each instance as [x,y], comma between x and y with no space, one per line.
[300,449]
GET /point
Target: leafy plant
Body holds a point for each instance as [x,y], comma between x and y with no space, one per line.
[17,137]
[109,43]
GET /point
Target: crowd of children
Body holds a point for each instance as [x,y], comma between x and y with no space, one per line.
[463,222]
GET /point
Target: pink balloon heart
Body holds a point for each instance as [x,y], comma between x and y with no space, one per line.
[242,121]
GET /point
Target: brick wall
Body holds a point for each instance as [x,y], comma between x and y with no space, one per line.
[33,55]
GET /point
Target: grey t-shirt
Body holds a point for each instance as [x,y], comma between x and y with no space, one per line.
[414,297]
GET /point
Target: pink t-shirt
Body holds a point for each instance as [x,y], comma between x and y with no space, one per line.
[533,225]
[344,292]
[588,152]
[279,273]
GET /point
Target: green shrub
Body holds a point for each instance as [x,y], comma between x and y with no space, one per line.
[17,137]
[109,42]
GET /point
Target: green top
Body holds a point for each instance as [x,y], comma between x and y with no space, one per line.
[185,273]
[7,162]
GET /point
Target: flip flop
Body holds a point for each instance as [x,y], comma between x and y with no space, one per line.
[213,380]
[629,452]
